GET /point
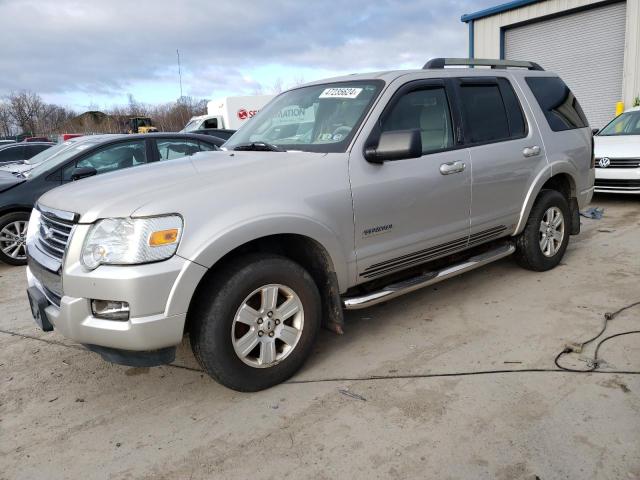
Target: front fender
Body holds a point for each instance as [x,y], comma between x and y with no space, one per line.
[217,246]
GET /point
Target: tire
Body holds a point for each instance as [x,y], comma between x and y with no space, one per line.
[13,231]
[529,244]
[216,334]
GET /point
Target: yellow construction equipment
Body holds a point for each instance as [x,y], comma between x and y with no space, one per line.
[141,125]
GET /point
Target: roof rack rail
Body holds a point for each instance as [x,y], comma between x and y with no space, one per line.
[481,62]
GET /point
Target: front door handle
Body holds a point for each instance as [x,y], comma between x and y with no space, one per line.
[531,151]
[452,167]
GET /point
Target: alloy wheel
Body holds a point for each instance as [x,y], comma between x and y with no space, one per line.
[268,325]
[13,238]
[551,231]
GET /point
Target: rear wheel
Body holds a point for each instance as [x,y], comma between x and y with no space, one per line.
[255,322]
[545,237]
[13,235]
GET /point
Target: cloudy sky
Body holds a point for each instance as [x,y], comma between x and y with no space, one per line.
[81,53]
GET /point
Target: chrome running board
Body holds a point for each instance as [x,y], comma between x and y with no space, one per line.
[429,278]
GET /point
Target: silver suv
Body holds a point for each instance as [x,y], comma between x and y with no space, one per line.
[339,194]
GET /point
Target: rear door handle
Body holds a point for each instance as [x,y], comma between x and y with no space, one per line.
[531,151]
[452,167]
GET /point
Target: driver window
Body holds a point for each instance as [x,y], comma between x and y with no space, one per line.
[427,111]
[110,158]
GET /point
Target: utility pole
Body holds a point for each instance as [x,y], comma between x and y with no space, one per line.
[179,72]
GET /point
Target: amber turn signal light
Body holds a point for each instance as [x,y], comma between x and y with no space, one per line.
[163,237]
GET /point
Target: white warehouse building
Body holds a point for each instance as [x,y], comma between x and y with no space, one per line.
[593,45]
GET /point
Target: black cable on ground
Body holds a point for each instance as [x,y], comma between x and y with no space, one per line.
[574,348]
[578,347]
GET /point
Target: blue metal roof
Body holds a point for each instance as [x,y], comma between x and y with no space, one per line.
[487,12]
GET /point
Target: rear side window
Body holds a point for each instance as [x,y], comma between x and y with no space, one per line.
[491,109]
[12,154]
[560,106]
[210,123]
[34,150]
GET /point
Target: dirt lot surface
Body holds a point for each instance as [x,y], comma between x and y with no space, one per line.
[64,413]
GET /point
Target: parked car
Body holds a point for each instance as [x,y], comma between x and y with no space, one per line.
[618,154]
[5,142]
[36,139]
[251,249]
[21,184]
[18,152]
[222,133]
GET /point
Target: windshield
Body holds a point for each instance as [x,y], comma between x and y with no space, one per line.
[192,125]
[54,156]
[627,123]
[319,118]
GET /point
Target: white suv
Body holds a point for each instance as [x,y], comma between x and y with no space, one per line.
[617,152]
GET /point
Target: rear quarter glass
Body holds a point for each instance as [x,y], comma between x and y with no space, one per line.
[560,107]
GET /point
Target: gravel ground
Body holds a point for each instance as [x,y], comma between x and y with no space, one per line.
[64,413]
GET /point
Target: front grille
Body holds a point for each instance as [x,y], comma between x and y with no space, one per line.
[617,184]
[621,163]
[53,235]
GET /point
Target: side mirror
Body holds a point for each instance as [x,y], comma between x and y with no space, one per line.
[395,145]
[594,131]
[83,172]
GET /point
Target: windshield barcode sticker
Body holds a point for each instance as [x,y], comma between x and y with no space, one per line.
[340,93]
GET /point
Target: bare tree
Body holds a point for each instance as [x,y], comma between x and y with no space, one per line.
[6,120]
[25,107]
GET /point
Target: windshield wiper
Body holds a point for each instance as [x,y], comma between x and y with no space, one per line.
[258,147]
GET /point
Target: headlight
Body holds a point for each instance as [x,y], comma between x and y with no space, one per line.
[130,241]
[34,226]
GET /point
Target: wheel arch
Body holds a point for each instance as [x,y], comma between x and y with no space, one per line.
[561,179]
[310,253]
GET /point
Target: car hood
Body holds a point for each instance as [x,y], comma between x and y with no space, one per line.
[160,188]
[9,180]
[617,146]
[15,167]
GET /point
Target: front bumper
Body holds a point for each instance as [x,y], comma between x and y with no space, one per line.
[158,295]
[618,180]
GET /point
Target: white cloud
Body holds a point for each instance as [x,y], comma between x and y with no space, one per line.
[107,48]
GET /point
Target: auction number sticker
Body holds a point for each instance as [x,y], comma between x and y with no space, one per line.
[340,93]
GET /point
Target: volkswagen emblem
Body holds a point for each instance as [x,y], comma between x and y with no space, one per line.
[604,162]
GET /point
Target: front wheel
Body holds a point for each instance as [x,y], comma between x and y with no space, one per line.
[544,240]
[255,322]
[13,235]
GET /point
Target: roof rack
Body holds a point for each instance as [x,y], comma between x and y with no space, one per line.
[481,62]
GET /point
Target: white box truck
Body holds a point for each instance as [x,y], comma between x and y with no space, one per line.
[228,112]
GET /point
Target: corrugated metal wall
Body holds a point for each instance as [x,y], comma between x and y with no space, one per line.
[585,48]
[487,35]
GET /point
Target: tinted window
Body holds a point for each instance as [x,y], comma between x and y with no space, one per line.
[485,114]
[210,123]
[515,117]
[112,157]
[205,147]
[560,106]
[11,154]
[34,150]
[176,148]
[425,110]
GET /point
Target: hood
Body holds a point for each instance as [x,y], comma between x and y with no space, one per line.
[160,188]
[16,167]
[9,180]
[617,146]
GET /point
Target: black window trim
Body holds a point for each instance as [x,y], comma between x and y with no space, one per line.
[492,80]
[412,86]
